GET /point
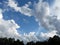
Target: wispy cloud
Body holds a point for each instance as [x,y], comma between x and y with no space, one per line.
[24,9]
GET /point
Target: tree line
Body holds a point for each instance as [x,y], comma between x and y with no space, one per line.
[11,41]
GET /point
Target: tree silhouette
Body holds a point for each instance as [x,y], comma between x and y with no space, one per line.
[54,41]
[31,43]
[11,41]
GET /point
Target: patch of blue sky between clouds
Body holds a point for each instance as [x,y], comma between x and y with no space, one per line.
[18,17]
[28,24]
[32,25]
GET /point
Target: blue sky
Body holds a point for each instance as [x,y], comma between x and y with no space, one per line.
[27,24]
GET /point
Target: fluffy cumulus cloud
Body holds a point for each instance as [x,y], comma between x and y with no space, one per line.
[29,37]
[47,16]
[48,34]
[8,27]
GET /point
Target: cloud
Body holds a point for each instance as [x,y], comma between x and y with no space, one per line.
[8,27]
[48,16]
[40,12]
[56,9]
[41,37]
[1,14]
[24,9]
[48,34]
[29,37]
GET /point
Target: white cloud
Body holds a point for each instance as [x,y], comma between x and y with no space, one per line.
[48,34]
[8,27]
[56,8]
[47,16]
[29,37]
[42,12]
[24,9]
[1,14]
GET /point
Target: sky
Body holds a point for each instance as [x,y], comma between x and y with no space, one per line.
[29,20]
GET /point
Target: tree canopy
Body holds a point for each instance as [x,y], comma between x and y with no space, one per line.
[11,41]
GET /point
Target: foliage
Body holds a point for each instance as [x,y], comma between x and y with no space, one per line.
[11,41]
